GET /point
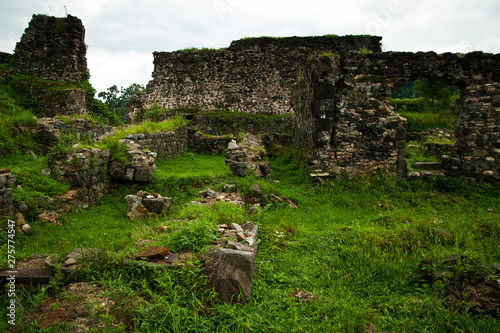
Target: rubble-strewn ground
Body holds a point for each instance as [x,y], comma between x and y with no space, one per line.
[369,254]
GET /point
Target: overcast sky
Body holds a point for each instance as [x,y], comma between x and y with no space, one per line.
[122,34]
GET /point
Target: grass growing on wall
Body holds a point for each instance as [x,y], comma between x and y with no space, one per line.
[151,127]
[355,244]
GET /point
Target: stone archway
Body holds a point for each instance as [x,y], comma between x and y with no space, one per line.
[346,100]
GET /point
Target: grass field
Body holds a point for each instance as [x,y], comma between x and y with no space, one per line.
[354,244]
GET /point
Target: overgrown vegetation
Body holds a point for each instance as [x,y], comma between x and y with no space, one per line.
[96,106]
[355,244]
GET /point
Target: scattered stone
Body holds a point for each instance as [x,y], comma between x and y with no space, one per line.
[301,295]
[138,213]
[51,260]
[142,194]
[70,195]
[145,206]
[26,229]
[161,229]
[48,217]
[231,272]
[229,188]
[232,145]
[252,208]
[239,246]
[237,227]
[240,236]
[23,208]
[152,253]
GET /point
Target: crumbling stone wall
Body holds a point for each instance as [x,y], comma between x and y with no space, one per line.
[344,120]
[49,130]
[53,48]
[253,75]
[165,144]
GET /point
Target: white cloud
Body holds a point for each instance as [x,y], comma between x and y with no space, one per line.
[118,68]
[128,31]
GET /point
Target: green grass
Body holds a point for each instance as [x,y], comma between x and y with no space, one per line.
[355,244]
[151,127]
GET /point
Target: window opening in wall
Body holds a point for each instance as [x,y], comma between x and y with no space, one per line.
[431,112]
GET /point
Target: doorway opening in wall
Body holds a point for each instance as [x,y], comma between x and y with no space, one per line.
[430,108]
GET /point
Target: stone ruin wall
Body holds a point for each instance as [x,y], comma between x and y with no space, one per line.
[345,123]
[53,48]
[253,75]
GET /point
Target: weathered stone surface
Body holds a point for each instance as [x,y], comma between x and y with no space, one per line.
[157,205]
[252,75]
[139,212]
[248,158]
[132,202]
[26,229]
[231,271]
[144,206]
[53,48]
[152,253]
[345,124]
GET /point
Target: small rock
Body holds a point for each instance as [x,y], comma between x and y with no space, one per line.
[20,218]
[237,227]
[256,190]
[250,241]
[51,260]
[252,208]
[70,261]
[152,252]
[23,208]
[229,188]
[240,236]
[233,145]
[142,194]
[27,229]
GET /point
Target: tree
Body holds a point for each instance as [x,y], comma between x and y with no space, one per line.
[117,99]
[439,96]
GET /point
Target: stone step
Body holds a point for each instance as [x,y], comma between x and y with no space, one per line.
[428,165]
[427,173]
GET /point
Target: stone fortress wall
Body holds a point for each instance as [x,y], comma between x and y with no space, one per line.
[337,89]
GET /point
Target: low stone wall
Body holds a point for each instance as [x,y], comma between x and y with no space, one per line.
[165,144]
[49,130]
[90,170]
[85,169]
[7,182]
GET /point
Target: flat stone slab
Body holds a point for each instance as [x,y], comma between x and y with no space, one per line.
[31,272]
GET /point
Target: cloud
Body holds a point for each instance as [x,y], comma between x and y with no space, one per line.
[109,68]
[128,32]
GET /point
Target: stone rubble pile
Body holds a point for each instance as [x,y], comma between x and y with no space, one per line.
[144,205]
[247,158]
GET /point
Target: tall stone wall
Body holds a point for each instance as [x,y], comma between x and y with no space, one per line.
[252,75]
[344,120]
[343,124]
[53,48]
